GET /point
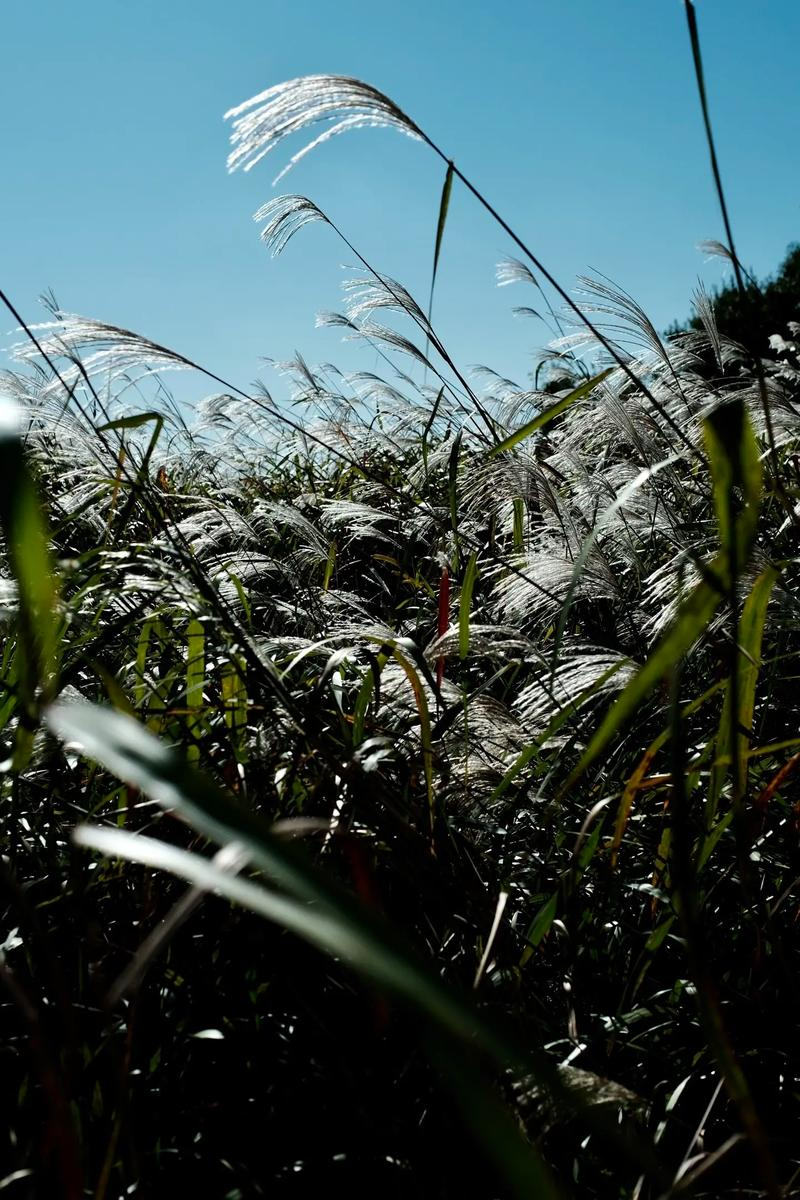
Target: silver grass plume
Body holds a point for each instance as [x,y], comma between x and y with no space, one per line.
[714,249]
[511,270]
[704,309]
[283,217]
[339,102]
[366,296]
[112,347]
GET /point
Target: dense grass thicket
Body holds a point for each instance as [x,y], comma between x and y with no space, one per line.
[483,695]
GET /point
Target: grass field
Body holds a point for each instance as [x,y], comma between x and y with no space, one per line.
[401,779]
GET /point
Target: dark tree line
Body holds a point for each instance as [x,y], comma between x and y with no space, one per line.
[766,308]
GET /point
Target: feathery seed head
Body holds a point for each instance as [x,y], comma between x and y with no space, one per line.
[340,102]
[283,217]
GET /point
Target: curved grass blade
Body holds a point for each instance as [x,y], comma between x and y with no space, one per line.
[134,422]
[539,927]
[494,1126]
[443,620]
[428,426]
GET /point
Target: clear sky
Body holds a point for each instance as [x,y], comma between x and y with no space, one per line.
[578,118]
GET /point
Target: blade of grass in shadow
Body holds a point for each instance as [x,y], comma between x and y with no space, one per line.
[684,876]
[37,647]
[517,1160]
[465,603]
[327,915]
[736,475]
[493,1126]
[195,683]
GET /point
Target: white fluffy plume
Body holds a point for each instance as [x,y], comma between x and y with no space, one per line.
[337,101]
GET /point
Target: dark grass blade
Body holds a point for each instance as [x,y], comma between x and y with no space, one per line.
[28,550]
[444,205]
[465,604]
[694,37]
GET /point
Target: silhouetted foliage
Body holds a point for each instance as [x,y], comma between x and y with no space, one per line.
[766,309]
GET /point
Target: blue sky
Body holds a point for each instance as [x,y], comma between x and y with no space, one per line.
[577,118]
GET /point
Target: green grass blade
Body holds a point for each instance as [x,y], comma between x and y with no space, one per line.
[234,701]
[335,921]
[195,684]
[424,725]
[369,685]
[751,629]
[317,917]
[643,766]
[735,463]
[152,640]
[735,471]
[539,927]
[330,565]
[428,427]
[444,205]
[549,414]
[452,489]
[133,422]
